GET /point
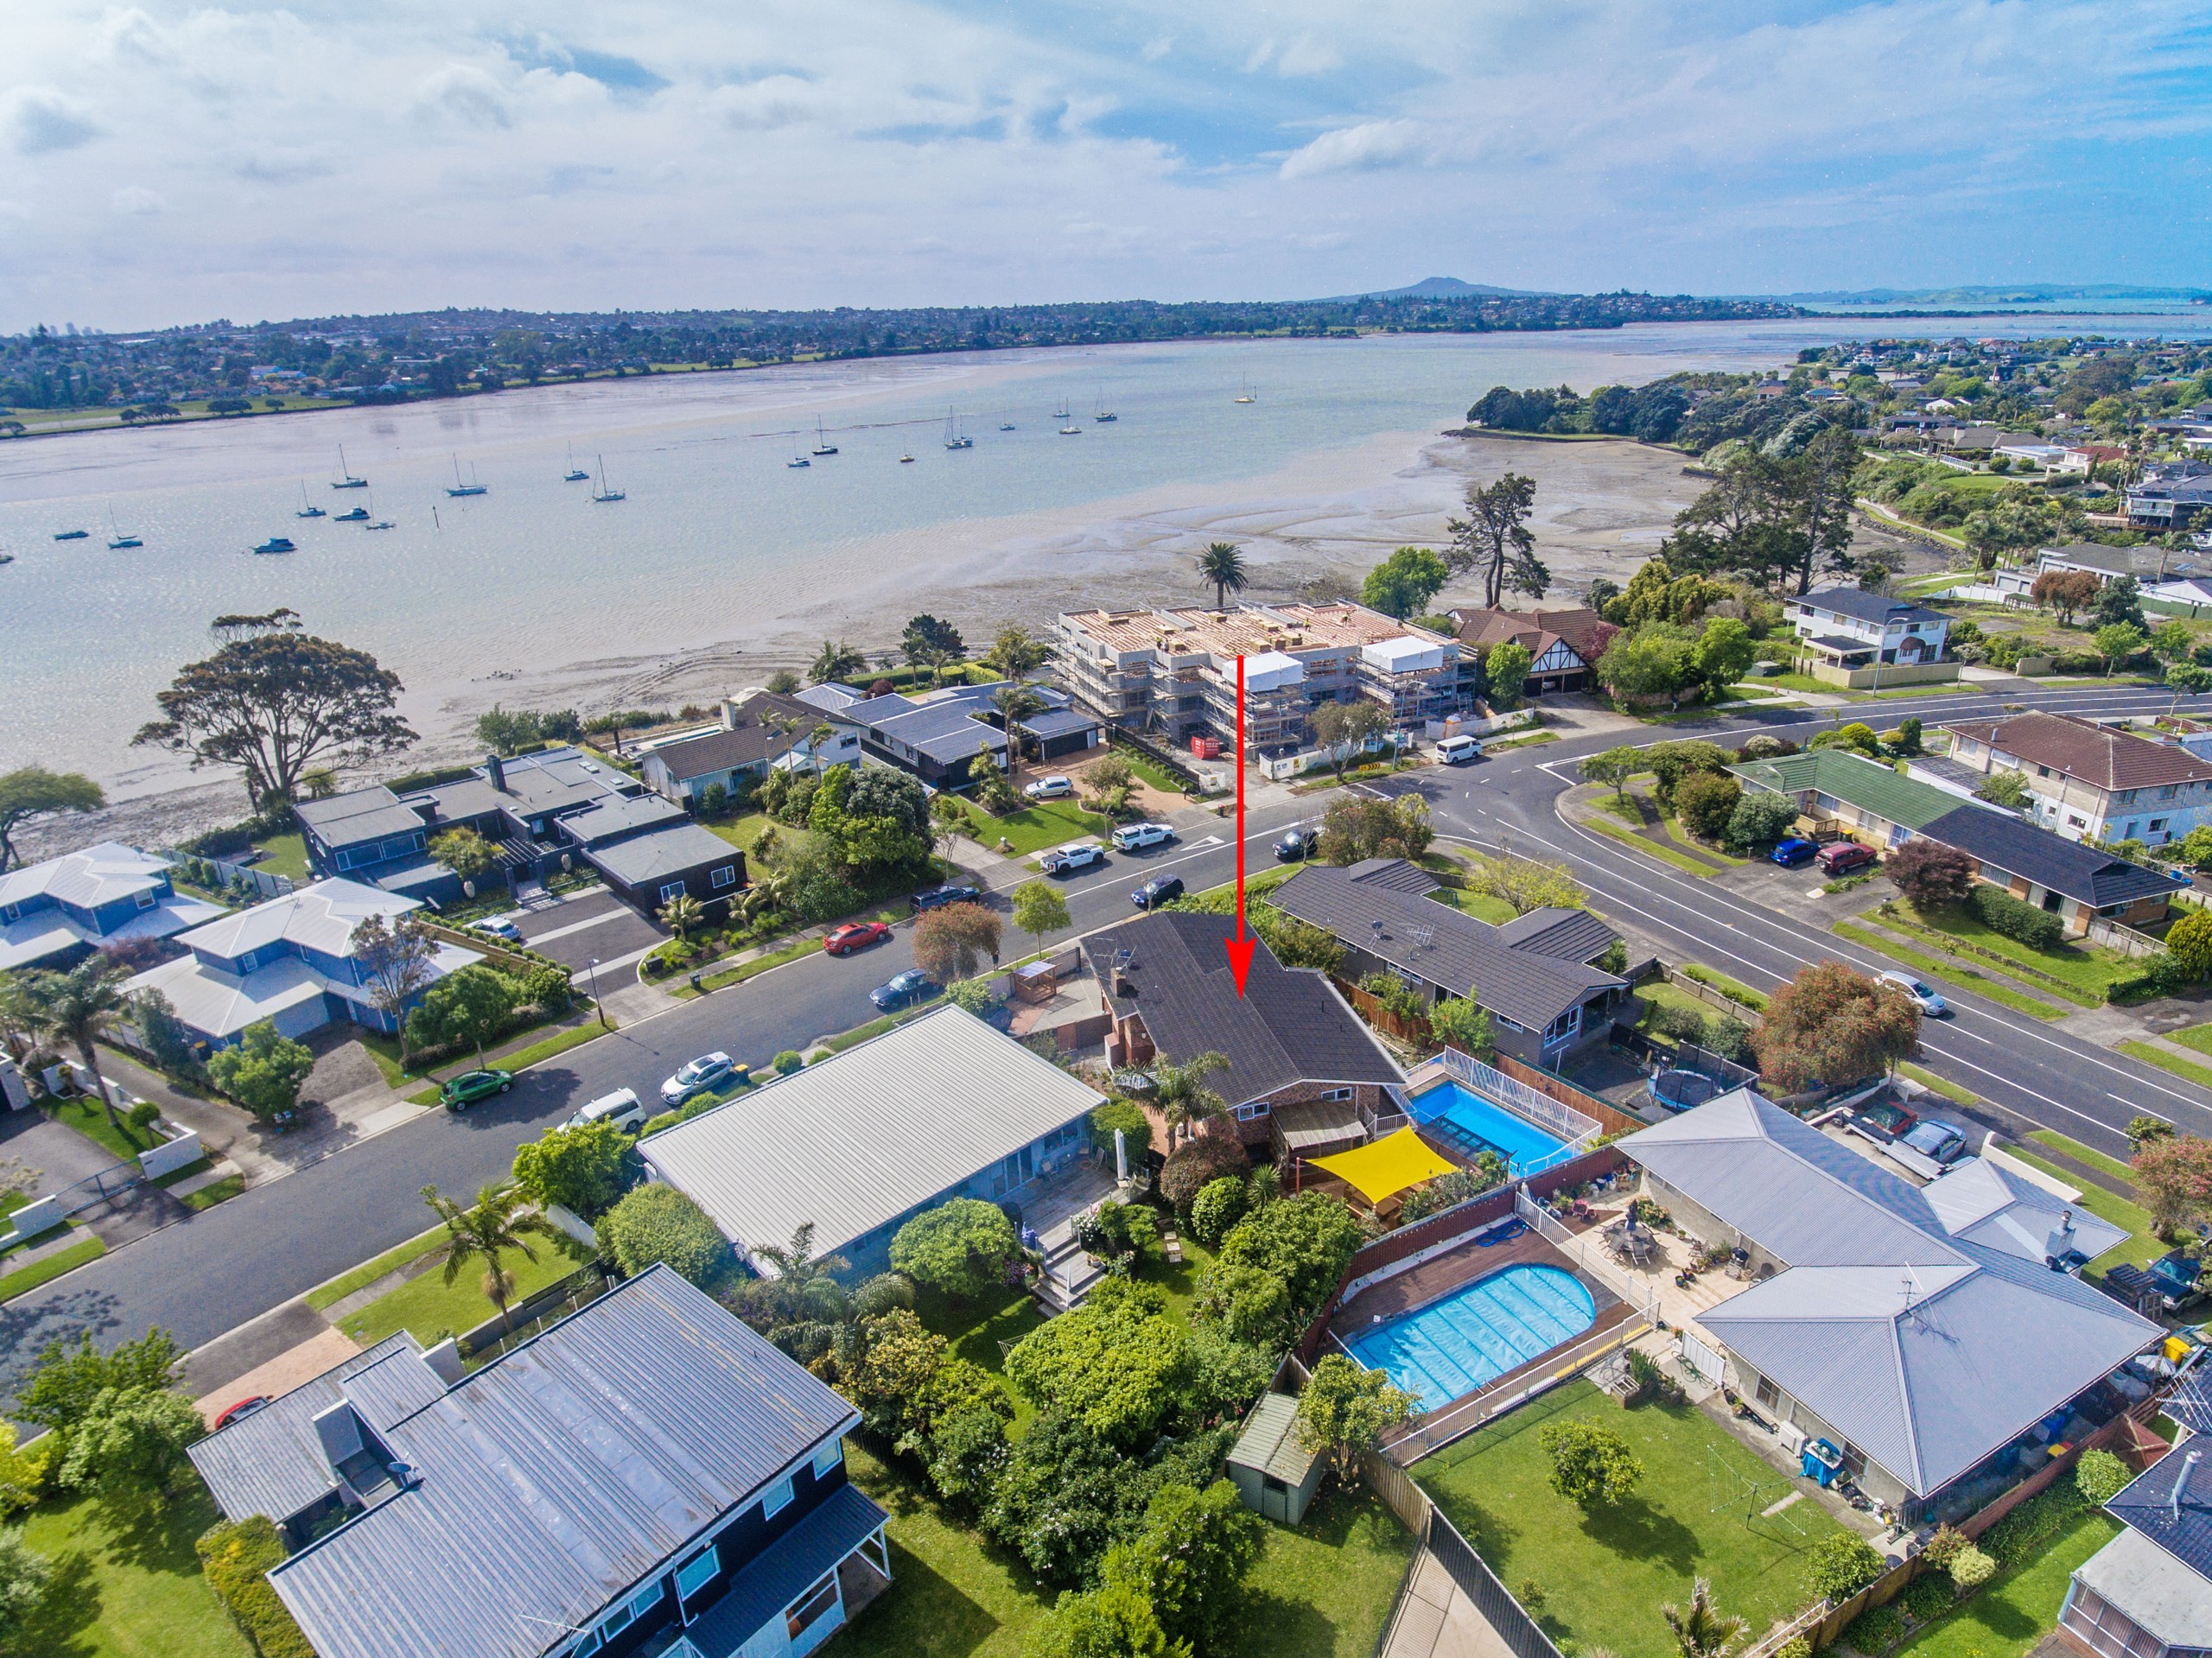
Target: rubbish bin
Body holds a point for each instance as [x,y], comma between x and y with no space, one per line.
[697,986]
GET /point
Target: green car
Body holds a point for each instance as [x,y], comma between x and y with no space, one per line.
[471,1086]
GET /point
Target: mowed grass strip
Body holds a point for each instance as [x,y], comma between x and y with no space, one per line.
[1980,984]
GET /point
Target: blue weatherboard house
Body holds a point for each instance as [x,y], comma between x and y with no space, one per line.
[51,913]
[289,961]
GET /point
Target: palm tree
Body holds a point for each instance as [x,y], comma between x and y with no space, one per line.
[815,739]
[682,913]
[1015,702]
[76,1009]
[1702,1631]
[835,662]
[1224,566]
[486,1233]
[1182,1095]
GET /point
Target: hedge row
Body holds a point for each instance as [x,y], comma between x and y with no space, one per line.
[238,1558]
[2000,912]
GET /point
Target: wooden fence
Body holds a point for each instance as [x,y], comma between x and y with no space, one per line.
[1506,1616]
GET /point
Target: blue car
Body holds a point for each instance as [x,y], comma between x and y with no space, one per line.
[909,987]
[1793,852]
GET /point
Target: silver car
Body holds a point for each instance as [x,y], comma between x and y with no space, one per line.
[1924,996]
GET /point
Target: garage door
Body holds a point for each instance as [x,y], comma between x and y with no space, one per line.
[307,1016]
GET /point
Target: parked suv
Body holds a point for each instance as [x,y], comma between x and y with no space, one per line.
[1161,889]
[1053,788]
[1135,837]
[1843,857]
[937,897]
[622,1107]
[1067,859]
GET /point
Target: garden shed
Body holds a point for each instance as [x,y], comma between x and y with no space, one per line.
[1275,1475]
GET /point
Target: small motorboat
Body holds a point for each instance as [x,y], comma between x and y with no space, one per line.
[906,459]
[71,535]
[7,558]
[1005,426]
[276,544]
[117,543]
[1071,431]
[359,515]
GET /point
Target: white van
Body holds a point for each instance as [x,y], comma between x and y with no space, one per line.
[1458,751]
[621,1105]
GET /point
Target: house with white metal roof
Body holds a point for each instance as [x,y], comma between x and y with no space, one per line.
[290,961]
[646,1476]
[53,912]
[942,1106]
[1932,1336]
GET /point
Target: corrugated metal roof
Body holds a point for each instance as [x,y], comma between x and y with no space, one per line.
[321,918]
[358,815]
[1983,1203]
[557,1476]
[98,874]
[799,1560]
[860,1139]
[1928,1349]
[270,1462]
[1867,785]
[1269,1441]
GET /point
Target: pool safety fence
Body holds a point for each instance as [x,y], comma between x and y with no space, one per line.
[1432,1431]
[1589,1258]
[1573,1128]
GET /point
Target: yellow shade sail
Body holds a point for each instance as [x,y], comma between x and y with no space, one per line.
[1388,1166]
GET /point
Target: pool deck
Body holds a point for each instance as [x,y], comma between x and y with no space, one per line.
[1434,1280]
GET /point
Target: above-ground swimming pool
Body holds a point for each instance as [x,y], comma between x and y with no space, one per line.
[1464,1120]
[1475,1334]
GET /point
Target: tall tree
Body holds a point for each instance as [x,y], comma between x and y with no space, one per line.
[1831,1024]
[78,1009]
[1223,564]
[33,792]
[1494,538]
[397,959]
[1818,481]
[1016,653]
[1015,702]
[488,1233]
[1184,1096]
[929,643]
[1402,584]
[278,704]
[835,661]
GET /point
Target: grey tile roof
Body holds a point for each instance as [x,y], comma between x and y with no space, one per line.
[2171,1504]
[2072,868]
[270,1462]
[357,815]
[801,1556]
[1861,606]
[1466,956]
[557,1476]
[1290,1025]
[1568,935]
[756,737]
[1911,1342]
[658,854]
[859,1140]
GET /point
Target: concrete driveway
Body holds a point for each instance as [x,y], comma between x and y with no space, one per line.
[59,1155]
[595,924]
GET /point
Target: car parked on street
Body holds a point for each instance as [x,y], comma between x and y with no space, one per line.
[937,897]
[1458,750]
[1068,859]
[1135,837]
[695,1076]
[622,1107]
[1923,997]
[1160,889]
[1051,788]
[904,991]
[855,935]
[1843,857]
[459,1093]
[1300,842]
[1793,852]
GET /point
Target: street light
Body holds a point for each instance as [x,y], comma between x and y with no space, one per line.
[591,982]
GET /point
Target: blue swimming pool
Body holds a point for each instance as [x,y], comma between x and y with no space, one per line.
[1476,1334]
[1455,1113]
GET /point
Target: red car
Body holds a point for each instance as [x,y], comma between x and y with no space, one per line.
[1843,857]
[243,1408]
[858,935]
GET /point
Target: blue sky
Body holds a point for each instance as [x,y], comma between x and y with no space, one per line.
[167,162]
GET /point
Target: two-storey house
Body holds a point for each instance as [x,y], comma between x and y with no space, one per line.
[2148,1592]
[52,912]
[2089,782]
[290,961]
[1853,637]
[647,1476]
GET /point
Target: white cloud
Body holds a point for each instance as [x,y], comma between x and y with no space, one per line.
[1157,48]
[463,95]
[286,164]
[1361,148]
[136,200]
[764,104]
[1308,56]
[130,34]
[40,120]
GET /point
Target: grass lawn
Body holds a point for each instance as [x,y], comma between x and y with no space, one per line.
[1942,1085]
[2089,1154]
[215,1191]
[1657,992]
[1499,745]
[2088,970]
[327,1294]
[27,1279]
[1481,905]
[1150,770]
[85,1114]
[1735,990]
[1682,861]
[2011,1616]
[1606,1573]
[2142,1247]
[2201,1075]
[745,830]
[1041,824]
[536,1053]
[2198,1037]
[1689,843]
[759,964]
[284,855]
[1950,968]
[430,1307]
[123,1588]
[1323,1591]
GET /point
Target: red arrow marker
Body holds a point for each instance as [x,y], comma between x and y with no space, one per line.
[1240,947]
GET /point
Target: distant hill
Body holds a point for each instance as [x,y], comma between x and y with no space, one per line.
[1443,287]
[1994,294]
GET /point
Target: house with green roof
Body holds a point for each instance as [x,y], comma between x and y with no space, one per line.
[1844,792]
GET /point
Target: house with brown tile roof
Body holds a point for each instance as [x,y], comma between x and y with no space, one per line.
[1563,646]
[2091,782]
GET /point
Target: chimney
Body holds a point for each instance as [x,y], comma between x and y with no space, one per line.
[730,722]
[495,772]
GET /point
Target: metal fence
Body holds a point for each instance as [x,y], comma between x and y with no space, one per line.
[108,1184]
[1480,1583]
[1563,1122]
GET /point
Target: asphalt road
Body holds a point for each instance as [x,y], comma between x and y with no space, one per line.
[205,1275]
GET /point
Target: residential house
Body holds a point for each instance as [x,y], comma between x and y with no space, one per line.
[2089,782]
[759,731]
[2035,454]
[2148,1592]
[290,961]
[942,1106]
[1173,672]
[2171,497]
[645,1476]
[1306,1076]
[1929,1336]
[1853,637]
[938,734]
[53,912]
[2070,879]
[1839,792]
[2151,566]
[1563,646]
[1535,977]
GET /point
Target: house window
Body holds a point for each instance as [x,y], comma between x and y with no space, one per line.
[629,1611]
[13,912]
[777,1498]
[1768,1394]
[1258,1108]
[147,900]
[1564,1027]
[671,892]
[345,860]
[808,1609]
[723,877]
[827,1455]
[1337,1094]
[697,1572]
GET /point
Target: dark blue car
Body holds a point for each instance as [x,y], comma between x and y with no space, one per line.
[1793,852]
[909,986]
